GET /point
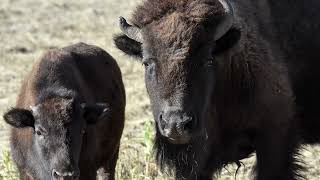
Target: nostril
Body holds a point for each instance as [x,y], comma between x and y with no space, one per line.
[190,123]
[55,174]
[65,175]
[161,117]
[195,121]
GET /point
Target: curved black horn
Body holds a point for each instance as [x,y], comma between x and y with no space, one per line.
[227,21]
[132,32]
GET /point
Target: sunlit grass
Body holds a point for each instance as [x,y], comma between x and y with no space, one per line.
[140,155]
[8,170]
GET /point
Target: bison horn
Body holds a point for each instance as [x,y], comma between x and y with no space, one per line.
[132,32]
[227,21]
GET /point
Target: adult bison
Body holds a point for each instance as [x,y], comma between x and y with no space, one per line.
[227,78]
[69,116]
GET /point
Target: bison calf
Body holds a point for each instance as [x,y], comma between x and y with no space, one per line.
[69,116]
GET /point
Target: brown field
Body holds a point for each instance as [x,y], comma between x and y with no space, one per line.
[29,27]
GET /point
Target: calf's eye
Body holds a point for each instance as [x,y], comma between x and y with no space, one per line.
[145,64]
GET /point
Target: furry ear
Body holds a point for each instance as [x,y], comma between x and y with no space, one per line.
[93,113]
[19,118]
[128,46]
[227,41]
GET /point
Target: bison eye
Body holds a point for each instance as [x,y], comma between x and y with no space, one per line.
[38,133]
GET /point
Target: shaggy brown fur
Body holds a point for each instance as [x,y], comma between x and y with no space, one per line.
[60,81]
[191,10]
[254,89]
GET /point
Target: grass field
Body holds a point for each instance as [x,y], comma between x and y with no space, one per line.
[29,27]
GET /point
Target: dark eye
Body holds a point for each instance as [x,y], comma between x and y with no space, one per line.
[39,133]
[149,68]
[146,64]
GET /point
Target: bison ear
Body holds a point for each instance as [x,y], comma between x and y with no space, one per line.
[19,118]
[128,46]
[227,41]
[96,112]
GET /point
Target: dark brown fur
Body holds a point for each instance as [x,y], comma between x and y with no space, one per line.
[92,75]
[265,92]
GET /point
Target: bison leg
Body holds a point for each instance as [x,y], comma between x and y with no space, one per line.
[88,172]
[107,170]
[276,155]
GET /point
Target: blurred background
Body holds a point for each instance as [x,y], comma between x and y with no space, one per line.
[29,27]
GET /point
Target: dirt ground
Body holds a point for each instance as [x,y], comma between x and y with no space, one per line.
[29,27]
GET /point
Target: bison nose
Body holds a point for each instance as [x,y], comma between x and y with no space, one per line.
[65,175]
[177,125]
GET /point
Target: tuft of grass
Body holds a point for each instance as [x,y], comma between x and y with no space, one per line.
[137,160]
[148,138]
[150,169]
[8,170]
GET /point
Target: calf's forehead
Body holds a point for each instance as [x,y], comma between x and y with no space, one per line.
[56,112]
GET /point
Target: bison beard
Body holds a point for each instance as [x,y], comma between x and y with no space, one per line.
[198,159]
[179,159]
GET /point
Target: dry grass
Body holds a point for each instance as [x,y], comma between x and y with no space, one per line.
[29,27]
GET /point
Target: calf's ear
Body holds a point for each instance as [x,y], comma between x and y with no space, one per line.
[128,46]
[19,118]
[96,112]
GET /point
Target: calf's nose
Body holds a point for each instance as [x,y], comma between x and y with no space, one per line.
[65,175]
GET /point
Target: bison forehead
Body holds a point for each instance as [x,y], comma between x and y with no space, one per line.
[181,29]
[172,31]
[193,10]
